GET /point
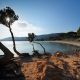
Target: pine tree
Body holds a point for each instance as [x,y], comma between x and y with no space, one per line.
[7,18]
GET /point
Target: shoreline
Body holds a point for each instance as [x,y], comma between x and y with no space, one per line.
[74,43]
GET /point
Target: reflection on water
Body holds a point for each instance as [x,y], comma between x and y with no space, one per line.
[26,47]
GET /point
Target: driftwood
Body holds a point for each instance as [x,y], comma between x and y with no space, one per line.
[7,54]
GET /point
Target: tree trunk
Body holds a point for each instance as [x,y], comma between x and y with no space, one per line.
[33,47]
[14,45]
[41,46]
[7,54]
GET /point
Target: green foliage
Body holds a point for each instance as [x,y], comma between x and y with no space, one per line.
[78,31]
[31,37]
[7,13]
[71,34]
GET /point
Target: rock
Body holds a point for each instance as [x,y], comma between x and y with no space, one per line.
[35,70]
[58,54]
[54,68]
[75,62]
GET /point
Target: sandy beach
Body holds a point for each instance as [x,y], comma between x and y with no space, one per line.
[74,43]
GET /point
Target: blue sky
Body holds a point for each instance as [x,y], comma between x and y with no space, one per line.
[42,16]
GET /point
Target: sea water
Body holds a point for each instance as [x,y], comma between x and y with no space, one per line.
[51,47]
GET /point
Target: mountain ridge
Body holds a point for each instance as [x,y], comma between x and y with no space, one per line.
[52,36]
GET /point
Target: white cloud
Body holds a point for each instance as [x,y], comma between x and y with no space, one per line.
[22,28]
[4,31]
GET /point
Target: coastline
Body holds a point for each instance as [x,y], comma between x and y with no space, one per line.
[74,43]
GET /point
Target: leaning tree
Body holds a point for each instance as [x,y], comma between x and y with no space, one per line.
[31,37]
[7,17]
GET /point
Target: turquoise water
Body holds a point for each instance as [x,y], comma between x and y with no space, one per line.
[26,47]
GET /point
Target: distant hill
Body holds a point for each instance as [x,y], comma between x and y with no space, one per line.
[46,37]
[38,37]
[16,39]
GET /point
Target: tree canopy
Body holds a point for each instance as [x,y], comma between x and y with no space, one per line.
[78,31]
[31,36]
[7,17]
[7,13]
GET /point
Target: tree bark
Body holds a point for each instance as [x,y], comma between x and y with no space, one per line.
[33,47]
[14,45]
[7,54]
[41,46]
